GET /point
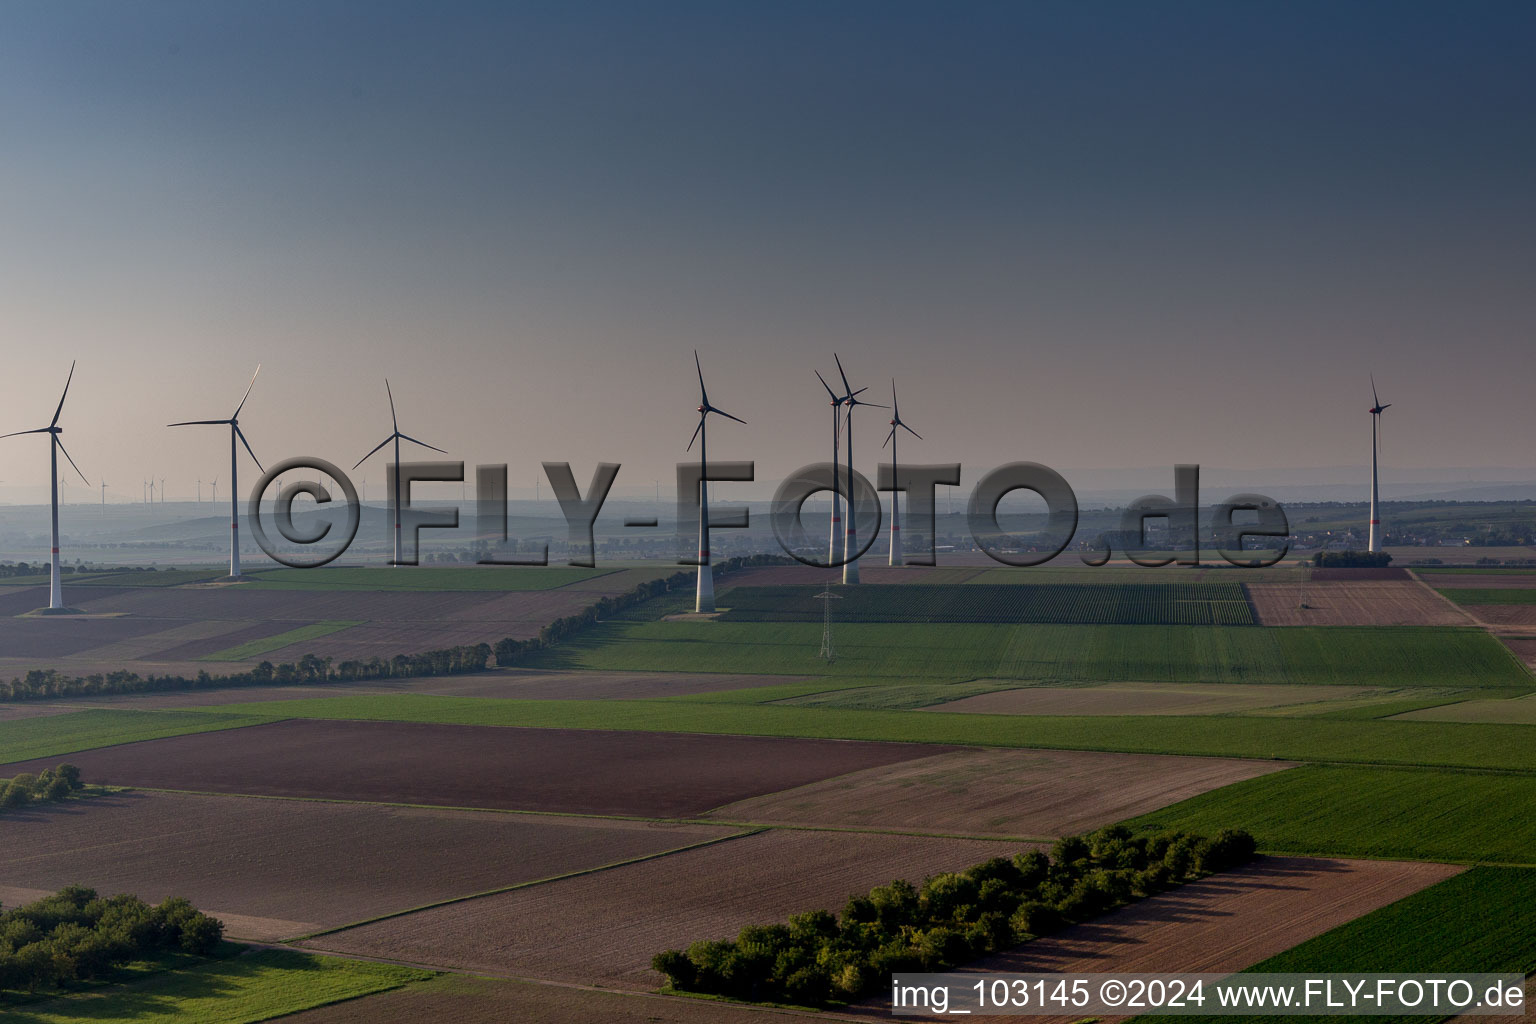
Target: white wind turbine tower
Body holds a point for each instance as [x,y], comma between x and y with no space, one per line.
[215,485]
[890,439]
[704,595]
[396,437]
[1376,410]
[55,586]
[835,544]
[850,399]
[235,433]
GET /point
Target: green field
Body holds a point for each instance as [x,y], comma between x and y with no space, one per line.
[152,578]
[256,986]
[252,648]
[22,739]
[1478,571]
[1518,711]
[425,578]
[1355,656]
[1402,813]
[1195,604]
[1472,922]
[1367,741]
[1490,595]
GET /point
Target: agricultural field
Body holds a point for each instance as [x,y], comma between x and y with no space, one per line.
[1038,794]
[1195,604]
[1367,603]
[575,771]
[1490,595]
[1210,925]
[242,989]
[603,929]
[431,578]
[1464,923]
[51,735]
[303,634]
[1510,711]
[1405,813]
[1163,699]
[1400,656]
[276,869]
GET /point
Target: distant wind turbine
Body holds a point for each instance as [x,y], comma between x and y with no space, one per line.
[215,485]
[850,399]
[396,437]
[890,439]
[835,543]
[235,434]
[55,585]
[704,596]
[1376,411]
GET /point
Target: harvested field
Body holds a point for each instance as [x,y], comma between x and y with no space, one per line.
[604,928]
[1353,603]
[10,711]
[1519,710]
[1148,699]
[1223,923]
[465,999]
[275,869]
[1034,793]
[1357,575]
[1505,614]
[576,771]
[1481,581]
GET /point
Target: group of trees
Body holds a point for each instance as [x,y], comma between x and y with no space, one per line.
[76,935]
[819,958]
[50,786]
[49,684]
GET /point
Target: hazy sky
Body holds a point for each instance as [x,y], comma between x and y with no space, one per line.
[1093,235]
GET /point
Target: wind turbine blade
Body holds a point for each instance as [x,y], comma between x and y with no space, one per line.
[241,435]
[703,395]
[727,415]
[830,392]
[197,423]
[391,394]
[871,405]
[888,437]
[71,461]
[848,388]
[65,395]
[381,444]
[908,429]
[245,396]
[39,430]
[855,394]
[895,407]
[407,437]
[696,430]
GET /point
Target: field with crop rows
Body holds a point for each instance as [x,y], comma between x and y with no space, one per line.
[1193,604]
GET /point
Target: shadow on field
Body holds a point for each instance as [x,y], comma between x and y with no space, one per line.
[161,995]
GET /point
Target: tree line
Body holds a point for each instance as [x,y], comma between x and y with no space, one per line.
[49,684]
[820,959]
[48,786]
[76,935]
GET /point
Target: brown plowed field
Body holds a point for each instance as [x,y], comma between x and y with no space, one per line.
[10,711]
[1148,699]
[577,771]
[1035,793]
[465,999]
[1523,647]
[1223,923]
[281,868]
[1505,614]
[603,928]
[1354,603]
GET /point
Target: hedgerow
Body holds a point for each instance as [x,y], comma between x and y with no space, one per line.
[48,786]
[819,959]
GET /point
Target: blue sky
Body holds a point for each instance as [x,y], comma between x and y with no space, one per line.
[1090,234]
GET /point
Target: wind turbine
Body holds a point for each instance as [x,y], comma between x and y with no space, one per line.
[235,433]
[1376,410]
[704,596]
[396,437]
[55,587]
[835,543]
[890,439]
[850,399]
[215,485]
[162,490]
